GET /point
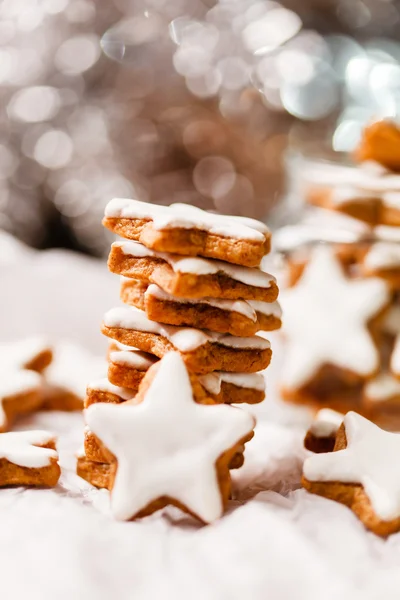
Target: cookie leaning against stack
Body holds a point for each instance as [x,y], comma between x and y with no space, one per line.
[195,298]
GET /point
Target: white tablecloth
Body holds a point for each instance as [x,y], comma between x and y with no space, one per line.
[276,542]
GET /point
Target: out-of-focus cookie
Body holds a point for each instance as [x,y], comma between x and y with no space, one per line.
[360,474]
[321,435]
[21,384]
[380,142]
[187,230]
[160,463]
[67,376]
[341,311]
[28,458]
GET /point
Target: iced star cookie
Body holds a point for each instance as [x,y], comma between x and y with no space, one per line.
[191,277]
[102,390]
[169,449]
[321,435]
[217,387]
[237,317]
[202,351]
[33,354]
[356,202]
[184,229]
[21,385]
[28,458]
[66,378]
[341,310]
[362,472]
[127,367]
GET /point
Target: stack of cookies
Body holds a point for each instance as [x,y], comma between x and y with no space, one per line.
[194,299]
[342,305]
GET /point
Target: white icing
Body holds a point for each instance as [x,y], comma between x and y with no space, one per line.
[370,176]
[392,199]
[395,358]
[72,367]
[383,255]
[187,217]
[248,308]
[133,358]
[103,385]
[168,444]
[370,459]
[21,448]
[200,266]
[326,423]
[14,382]
[184,339]
[387,233]
[326,317]
[391,322]
[16,355]
[267,308]
[382,388]
[342,195]
[212,381]
[321,225]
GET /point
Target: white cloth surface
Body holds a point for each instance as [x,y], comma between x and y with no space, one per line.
[276,541]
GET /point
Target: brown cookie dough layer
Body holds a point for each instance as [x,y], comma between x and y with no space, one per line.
[204,359]
[186,285]
[190,242]
[95,473]
[199,315]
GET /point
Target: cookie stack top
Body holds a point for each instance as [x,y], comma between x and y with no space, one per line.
[192,283]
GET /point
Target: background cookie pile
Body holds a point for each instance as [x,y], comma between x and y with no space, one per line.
[193,291]
[347,288]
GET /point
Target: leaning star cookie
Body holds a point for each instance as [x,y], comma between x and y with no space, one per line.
[362,473]
[33,354]
[237,317]
[191,277]
[202,351]
[28,458]
[326,321]
[168,449]
[321,435]
[184,229]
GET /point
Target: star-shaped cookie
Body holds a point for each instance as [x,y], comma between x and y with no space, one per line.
[326,316]
[21,384]
[169,449]
[28,458]
[363,473]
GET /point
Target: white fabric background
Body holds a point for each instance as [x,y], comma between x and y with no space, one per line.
[276,542]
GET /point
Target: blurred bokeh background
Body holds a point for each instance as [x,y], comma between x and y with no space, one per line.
[178,100]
